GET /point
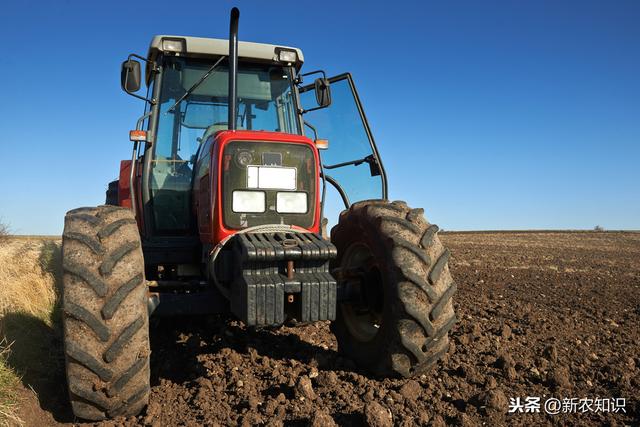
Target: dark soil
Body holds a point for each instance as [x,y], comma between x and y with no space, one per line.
[540,314]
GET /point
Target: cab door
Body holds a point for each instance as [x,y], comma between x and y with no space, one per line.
[352,165]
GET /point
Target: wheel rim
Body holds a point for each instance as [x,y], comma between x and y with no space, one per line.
[363,312]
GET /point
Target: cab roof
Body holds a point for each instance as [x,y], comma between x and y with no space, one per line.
[203,47]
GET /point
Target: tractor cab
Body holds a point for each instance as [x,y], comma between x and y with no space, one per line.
[188,108]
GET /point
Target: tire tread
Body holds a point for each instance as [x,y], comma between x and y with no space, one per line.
[108,368]
[424,312]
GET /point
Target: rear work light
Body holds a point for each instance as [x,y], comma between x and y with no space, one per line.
[291,202]
[287,55]
[248,201]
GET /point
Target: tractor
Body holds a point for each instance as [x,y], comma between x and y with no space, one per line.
[239,163]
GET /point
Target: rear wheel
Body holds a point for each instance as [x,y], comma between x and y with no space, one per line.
[398,311]
[112,193]
[105,318]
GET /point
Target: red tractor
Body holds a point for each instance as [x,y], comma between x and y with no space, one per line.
[223,209]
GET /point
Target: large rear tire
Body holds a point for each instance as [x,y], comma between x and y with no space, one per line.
[399,310]
[111,196]
[105,318]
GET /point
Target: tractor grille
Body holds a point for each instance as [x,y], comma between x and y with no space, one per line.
[265,176]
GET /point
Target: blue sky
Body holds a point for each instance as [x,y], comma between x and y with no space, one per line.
[490,115]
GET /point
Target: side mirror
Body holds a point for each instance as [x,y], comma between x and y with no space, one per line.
[323,92]
[130,76]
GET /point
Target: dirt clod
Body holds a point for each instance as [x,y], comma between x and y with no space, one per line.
[322,419]
[551,353]
[304,388]
[327,379]
[438,421]
[494,399]
[377,415]
[560,377]
[505,333]
[505,361]
[411,390]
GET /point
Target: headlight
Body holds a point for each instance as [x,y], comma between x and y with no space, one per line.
[291,202]
[249,201]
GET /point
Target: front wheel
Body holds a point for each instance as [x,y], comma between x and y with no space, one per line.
[105,319]
[398,311]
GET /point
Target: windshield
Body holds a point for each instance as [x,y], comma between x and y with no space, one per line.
[265,102]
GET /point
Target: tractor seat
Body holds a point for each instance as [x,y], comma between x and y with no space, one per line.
[218,126]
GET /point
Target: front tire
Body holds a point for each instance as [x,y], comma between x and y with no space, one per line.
[398,311]
[105,318]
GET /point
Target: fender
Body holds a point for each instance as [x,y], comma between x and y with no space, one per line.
[124,192]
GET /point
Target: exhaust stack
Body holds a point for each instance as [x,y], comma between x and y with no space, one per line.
[233,67]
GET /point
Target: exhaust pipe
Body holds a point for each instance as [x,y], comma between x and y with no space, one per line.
[233,67]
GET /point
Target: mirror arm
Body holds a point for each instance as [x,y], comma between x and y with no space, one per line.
[303,111]
[300,76]
[299,80]
[154,68]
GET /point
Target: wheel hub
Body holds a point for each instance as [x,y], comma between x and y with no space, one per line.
[364,303]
